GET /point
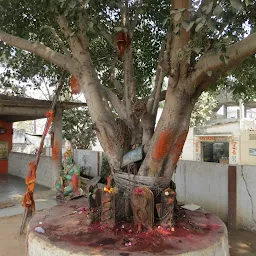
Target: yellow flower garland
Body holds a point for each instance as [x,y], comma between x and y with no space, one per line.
[109,190]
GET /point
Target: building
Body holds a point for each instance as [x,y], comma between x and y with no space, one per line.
[14,109]
[26,142]
[230,137]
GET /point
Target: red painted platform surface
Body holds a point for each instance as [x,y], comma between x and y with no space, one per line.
[194,231]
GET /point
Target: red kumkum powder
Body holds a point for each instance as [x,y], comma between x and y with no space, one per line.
[163,145]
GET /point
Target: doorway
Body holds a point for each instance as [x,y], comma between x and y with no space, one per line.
[217,152]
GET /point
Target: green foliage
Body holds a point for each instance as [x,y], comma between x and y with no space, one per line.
[213,25]
[242,81]
[27,19]
[78,128]
[35,20]
[105,169]
[203,109]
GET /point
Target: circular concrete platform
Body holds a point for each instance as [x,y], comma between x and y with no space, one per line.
[67,233]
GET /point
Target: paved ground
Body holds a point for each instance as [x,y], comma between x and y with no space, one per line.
[12,189]
[242,243]
[11,243]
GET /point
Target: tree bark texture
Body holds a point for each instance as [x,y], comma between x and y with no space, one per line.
[169,136]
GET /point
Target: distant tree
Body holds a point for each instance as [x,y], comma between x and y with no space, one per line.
[203,109]
[242,82]
[78,129]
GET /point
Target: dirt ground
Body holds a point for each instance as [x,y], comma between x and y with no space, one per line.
[242,243]
[11,243]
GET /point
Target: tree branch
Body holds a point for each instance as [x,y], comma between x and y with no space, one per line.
[81,34]
[204,3]
[136,18]
[46,98]
[162,70]
[75,44]
[48,91]
[129,84]
[148,122]
[59,40]
[179,40]
[211,62]
[106,35]
[63,23]
[102,30]
[204,86]
[115,102]
[113,79]
[124,14]
[39,49]
[158,85]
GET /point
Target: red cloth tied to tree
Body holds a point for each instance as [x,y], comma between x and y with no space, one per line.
[28,200]
[75,86]
[123,42]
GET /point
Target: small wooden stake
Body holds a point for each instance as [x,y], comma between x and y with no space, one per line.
[232,197]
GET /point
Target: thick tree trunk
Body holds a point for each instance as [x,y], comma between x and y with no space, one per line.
[168,140]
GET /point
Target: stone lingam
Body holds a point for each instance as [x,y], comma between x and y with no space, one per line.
[130,218]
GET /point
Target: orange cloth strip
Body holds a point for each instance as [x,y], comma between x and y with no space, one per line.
[28,200]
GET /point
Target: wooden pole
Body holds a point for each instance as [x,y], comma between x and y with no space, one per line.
[232,196]
[29,205]
[58,139]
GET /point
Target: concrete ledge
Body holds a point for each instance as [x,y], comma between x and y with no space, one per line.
[66,234]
